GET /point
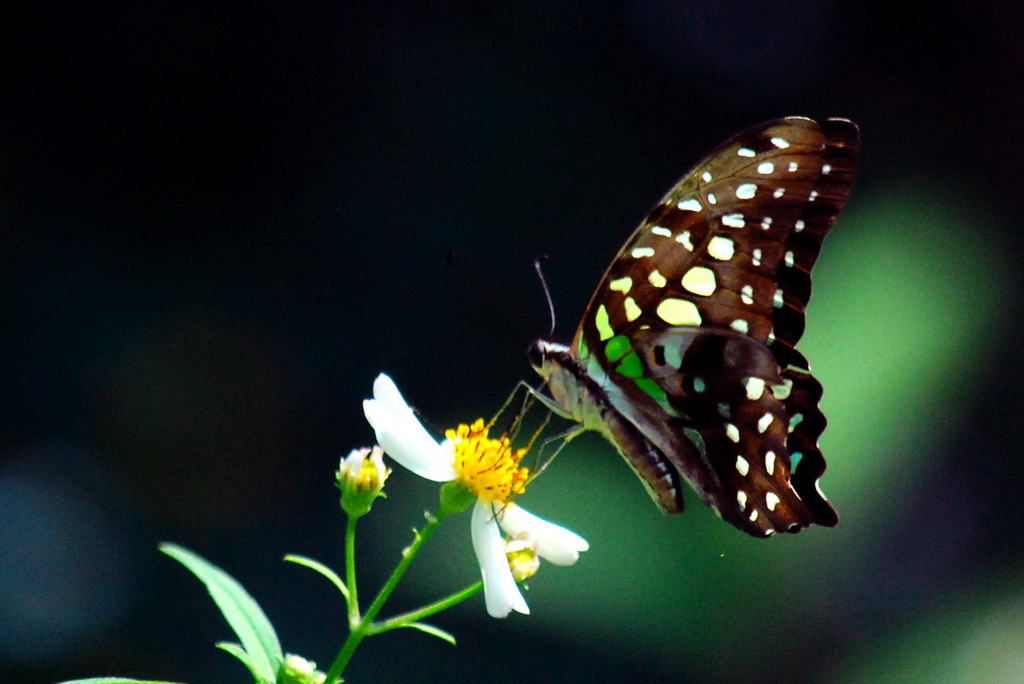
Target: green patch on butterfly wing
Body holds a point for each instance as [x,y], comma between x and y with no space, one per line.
[651,387]
[582,351]
[631,366]
[697,440]
[617,347]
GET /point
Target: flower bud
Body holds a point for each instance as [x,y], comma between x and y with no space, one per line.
[360,478]
[522,558]
[297,670]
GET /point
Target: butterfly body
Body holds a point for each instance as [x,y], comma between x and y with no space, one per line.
[685,358]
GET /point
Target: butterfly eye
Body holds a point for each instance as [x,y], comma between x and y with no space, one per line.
[535,354]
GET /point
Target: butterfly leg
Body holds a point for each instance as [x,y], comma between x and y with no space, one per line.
[549,403]
[542,462]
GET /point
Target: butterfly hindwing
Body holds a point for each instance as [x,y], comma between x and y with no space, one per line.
[723,392]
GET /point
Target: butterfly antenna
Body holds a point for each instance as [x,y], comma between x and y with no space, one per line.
[547,291]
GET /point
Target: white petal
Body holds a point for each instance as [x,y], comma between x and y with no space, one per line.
[386,392]
[500,591]
[405,440]
[554,543]
[353,463]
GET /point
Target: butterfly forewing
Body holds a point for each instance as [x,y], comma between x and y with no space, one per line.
[694,325]
[719,237]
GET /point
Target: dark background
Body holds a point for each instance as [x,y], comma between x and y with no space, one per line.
[219,222]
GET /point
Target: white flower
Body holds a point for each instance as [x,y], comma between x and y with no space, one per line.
[486,467]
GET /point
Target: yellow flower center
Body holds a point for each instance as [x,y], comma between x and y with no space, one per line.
[489,468]
[370,476]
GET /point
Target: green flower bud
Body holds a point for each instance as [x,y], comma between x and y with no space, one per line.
[360,478]
[297,670]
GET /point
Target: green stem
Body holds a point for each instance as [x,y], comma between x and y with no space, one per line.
[426,611]
[364,626]
[350,572]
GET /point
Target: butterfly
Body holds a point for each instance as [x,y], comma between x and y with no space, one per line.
[685,358]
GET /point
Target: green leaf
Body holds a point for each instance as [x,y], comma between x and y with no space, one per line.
[322,569]
[239,652]
[435,631]
[114,680]
[241,611]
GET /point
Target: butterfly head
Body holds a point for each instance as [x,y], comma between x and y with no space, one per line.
[561,373]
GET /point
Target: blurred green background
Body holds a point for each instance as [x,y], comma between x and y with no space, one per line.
[219,222]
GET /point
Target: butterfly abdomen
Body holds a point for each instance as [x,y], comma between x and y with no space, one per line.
[582,398]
